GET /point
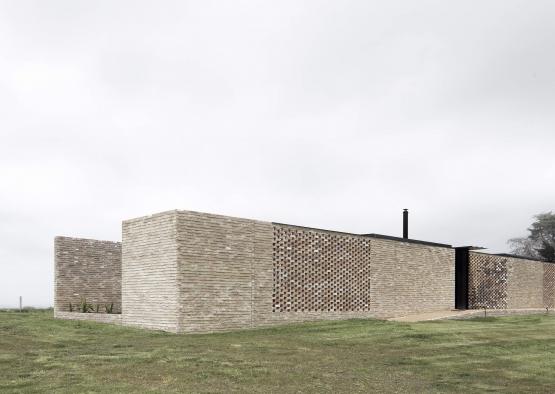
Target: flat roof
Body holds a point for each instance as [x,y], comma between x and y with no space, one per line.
[516,256]
[372,235]
[409,240]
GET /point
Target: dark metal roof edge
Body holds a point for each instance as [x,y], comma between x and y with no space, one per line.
[380,236]
[516,256]
[470,247]
[409,240]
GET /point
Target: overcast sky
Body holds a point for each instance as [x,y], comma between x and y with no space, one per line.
[331,114]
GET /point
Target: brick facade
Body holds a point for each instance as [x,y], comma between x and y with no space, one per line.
[110,318]
[86,268]
[216,259]
[499,282]
[237,273]
[409,277]
[187,271]
[525,287]
[150,292]
[184,271]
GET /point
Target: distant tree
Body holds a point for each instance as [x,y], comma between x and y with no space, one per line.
[540,243]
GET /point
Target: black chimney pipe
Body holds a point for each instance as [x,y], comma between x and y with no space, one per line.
[405,223]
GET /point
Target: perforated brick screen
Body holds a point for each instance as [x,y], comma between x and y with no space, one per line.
[549,285]
[319,271]
[487,285]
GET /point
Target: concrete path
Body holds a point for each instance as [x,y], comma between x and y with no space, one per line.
[465,314]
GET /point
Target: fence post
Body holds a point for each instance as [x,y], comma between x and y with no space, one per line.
[20,303]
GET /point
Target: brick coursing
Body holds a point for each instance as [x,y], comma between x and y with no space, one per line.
[187,271]
[86,268]
[500,282]
[525,287]
[96,317]
[226,277]
[184,271]
[216,263]
[150,291]
[408,278]
[227,270]
[262,274]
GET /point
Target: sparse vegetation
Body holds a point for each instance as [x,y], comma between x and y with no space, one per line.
[40,354]
[109,308]
[84,306]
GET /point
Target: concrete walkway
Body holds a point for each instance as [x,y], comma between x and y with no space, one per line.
[465,314]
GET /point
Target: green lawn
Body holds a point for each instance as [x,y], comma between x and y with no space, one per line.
[512,354]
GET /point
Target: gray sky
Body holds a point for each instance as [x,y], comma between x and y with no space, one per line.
[332,114]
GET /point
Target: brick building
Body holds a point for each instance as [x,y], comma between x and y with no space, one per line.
[184,271]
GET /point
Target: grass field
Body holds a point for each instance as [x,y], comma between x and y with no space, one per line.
[39,354]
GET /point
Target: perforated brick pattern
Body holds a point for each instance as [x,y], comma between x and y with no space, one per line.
[321,272]
[487,287]
[549,285]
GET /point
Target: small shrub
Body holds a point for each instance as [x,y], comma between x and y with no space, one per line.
[109,308]
[85,307]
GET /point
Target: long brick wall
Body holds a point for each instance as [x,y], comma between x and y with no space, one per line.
[409,278]
[237,273]
[525,287]
[184,271]
[499,282]
[86,268]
